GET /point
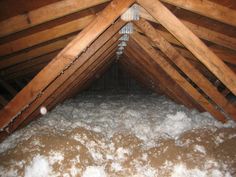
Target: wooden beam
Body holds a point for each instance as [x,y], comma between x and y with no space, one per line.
[187,68]
[178,78]
[191,42]
[61,84]
[45,14]
[63,61]
[207,8]
[202,32]
[46,35]
[227,56]
[61,93]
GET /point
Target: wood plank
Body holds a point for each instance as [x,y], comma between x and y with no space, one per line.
[63,61]
[36,52]
[45,14]
[202,32]
[46,35]
[227,56]
[187,68]
[191,42]
[207,8]
[28,65]
[178,78]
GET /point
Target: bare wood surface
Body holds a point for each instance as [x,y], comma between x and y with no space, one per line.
[191,42]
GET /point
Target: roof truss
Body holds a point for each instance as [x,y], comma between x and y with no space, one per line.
[176,62]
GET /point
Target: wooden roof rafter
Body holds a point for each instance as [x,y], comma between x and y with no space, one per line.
[64,60]
[191,42]
[187,67]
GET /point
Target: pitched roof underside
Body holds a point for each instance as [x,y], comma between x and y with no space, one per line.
[51,50]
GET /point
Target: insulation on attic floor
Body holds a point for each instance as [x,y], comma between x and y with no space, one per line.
[117,128]
[139,134]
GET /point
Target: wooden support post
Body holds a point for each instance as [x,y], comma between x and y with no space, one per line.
[63,60]
[187,68]
[178,78]
[191,42]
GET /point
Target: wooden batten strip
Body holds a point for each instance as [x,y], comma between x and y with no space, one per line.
[191,42]
[33,53]
[64,60]
[46,35]
[45,14]
[207,8]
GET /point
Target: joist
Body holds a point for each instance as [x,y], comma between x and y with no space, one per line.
[45,14]
[207,8]
[178,78]
[191,42]
[64,60]
[202,32]
[187,68]
[46,35]
[144,63]
[12,91]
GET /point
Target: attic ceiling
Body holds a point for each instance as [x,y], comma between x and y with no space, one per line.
[52,49]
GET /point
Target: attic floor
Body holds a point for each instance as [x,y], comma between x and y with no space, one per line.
[121,135]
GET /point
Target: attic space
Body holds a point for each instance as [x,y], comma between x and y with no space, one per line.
[117,88]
